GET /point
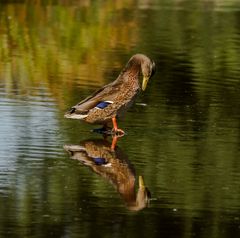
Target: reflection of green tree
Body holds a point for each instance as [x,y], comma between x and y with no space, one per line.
[52,44]
[199,84]
[195,45]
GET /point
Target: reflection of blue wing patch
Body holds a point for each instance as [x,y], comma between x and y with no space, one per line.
[99,161]
[102,105]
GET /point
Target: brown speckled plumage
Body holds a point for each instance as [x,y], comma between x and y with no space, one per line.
[115,168]
[120,93]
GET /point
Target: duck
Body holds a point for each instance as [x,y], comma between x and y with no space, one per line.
[115,168]
[108,103]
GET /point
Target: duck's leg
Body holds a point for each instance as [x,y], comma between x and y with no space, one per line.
[116,130]
[114,142]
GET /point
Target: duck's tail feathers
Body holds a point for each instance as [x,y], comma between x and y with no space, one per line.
[73,115]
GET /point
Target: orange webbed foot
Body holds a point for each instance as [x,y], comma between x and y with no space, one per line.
[117,131]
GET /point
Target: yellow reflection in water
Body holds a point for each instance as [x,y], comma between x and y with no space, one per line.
[55,44]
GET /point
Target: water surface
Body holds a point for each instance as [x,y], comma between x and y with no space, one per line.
[182,137]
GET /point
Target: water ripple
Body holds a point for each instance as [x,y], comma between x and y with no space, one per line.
[28,133]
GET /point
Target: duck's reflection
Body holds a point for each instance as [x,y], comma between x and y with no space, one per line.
[113,165]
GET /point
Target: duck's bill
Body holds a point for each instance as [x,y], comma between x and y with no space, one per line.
[141,182]
[144,83]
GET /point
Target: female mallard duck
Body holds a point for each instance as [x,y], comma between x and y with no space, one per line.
[113,99]
[115,167]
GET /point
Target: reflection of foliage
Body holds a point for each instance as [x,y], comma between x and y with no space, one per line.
[53,44]
[193,99]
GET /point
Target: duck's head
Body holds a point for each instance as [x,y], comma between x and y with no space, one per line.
[140,62]
[148,70]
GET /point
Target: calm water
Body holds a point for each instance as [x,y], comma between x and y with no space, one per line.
[183,133]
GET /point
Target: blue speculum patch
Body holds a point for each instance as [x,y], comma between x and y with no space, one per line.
[99,161]
[102,105]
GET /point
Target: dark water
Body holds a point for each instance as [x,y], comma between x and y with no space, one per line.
[183,134]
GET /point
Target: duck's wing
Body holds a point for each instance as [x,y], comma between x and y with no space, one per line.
[100,98]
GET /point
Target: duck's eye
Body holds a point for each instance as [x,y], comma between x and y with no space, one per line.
[153,69]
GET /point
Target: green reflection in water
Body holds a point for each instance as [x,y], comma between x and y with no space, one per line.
[185,141]
[52,43]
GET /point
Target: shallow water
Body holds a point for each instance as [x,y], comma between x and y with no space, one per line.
[183,133]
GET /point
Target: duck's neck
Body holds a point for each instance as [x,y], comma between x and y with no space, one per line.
[133,65]
[131,71]
[127,191]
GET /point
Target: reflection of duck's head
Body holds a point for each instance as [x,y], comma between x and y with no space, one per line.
[113,166]
[143,196]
